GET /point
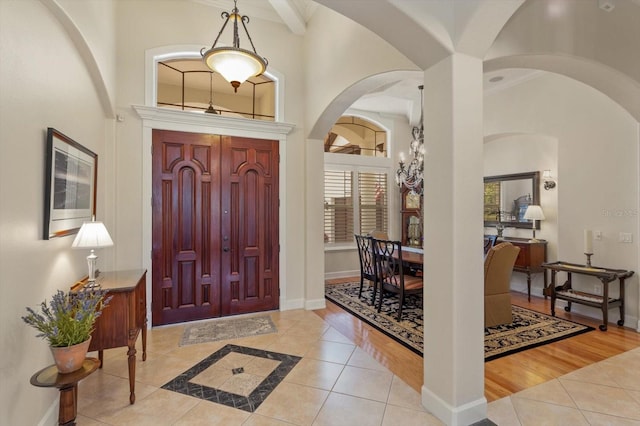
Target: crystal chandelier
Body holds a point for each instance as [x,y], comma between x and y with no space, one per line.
[235,64]
[411,175]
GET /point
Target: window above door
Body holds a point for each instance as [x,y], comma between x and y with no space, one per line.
[188,85]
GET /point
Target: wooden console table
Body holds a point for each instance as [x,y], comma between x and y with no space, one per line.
[604,302]
[530,259]
[123,319]
[49,377]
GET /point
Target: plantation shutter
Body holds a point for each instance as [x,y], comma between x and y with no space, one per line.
[372,188]
[338,207]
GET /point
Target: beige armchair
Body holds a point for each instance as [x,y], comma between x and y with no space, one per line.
[498,266]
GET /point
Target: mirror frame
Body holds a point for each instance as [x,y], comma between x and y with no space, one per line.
[535,194]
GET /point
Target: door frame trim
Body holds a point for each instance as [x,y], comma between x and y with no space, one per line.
[184,121]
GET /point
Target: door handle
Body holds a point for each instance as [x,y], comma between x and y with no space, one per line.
[225,249]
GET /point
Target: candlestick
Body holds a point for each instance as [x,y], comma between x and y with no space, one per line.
[589,258]
[588,241]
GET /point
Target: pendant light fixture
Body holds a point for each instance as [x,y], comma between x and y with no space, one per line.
[211,109]
[235,64]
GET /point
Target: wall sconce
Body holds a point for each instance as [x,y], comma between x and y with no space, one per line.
[548,180]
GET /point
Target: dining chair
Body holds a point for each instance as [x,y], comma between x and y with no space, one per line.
[379,235]
[498,266]
[391,274]
[489,241]
[367,263]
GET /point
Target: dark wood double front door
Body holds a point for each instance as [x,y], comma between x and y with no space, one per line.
[215,226]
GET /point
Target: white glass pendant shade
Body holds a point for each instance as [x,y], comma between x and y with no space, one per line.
[234,64]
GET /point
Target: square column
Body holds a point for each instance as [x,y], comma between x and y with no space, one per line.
[453,387]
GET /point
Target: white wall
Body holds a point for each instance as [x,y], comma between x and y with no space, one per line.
[43,83]
[519,153]
[597,170]
[198,25]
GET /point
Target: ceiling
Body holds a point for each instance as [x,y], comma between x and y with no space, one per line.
[401,98]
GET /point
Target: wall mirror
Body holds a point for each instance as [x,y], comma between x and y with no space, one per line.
[506,198]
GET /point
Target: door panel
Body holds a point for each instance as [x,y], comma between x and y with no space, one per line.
[215,226]
[249,225]
[186,272]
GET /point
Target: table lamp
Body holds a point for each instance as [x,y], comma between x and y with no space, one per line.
[92,235]
[534,213]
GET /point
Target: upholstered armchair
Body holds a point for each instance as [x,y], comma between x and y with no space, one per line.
[498,266]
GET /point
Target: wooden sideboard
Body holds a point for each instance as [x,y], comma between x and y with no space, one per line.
[123,319]
[530,259]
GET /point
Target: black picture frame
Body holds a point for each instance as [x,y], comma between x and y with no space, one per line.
[70,185]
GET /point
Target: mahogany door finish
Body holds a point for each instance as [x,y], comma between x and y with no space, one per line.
[249,217]
[196,248]
[185,253]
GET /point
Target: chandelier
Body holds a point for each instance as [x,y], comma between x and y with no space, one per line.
[411,175]
[235,64]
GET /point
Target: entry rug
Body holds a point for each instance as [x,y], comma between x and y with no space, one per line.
[529,328]
[224,329]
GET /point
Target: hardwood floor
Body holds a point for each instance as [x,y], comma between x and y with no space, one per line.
[505,375]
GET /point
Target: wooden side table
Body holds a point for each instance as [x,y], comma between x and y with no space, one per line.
[604,302]
[124,319]
[49,377]
[530,259]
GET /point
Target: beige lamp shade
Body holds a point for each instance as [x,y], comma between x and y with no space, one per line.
[92,235]
[534,213]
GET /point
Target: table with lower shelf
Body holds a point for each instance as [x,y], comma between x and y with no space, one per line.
[566,292]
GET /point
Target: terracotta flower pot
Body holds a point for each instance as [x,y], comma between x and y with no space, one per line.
[70,358]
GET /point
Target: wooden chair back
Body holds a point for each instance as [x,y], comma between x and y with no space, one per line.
[365,254]
[391,272]
[489,241]
[367,264]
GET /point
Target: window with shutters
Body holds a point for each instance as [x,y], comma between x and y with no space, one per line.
[338,206]
[342,216]
[356,187]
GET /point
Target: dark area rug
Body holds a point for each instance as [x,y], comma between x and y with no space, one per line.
[528,329]
[223,329]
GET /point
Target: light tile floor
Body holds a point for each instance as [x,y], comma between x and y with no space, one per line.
[605,393]
[335,383]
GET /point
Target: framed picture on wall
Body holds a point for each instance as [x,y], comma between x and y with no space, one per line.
[70,187]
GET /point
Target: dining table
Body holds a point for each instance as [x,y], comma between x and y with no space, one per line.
[413,256]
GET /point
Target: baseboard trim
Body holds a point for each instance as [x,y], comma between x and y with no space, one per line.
[313,304]
[463,415]
[289,305]
[51,416]
[341,274]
